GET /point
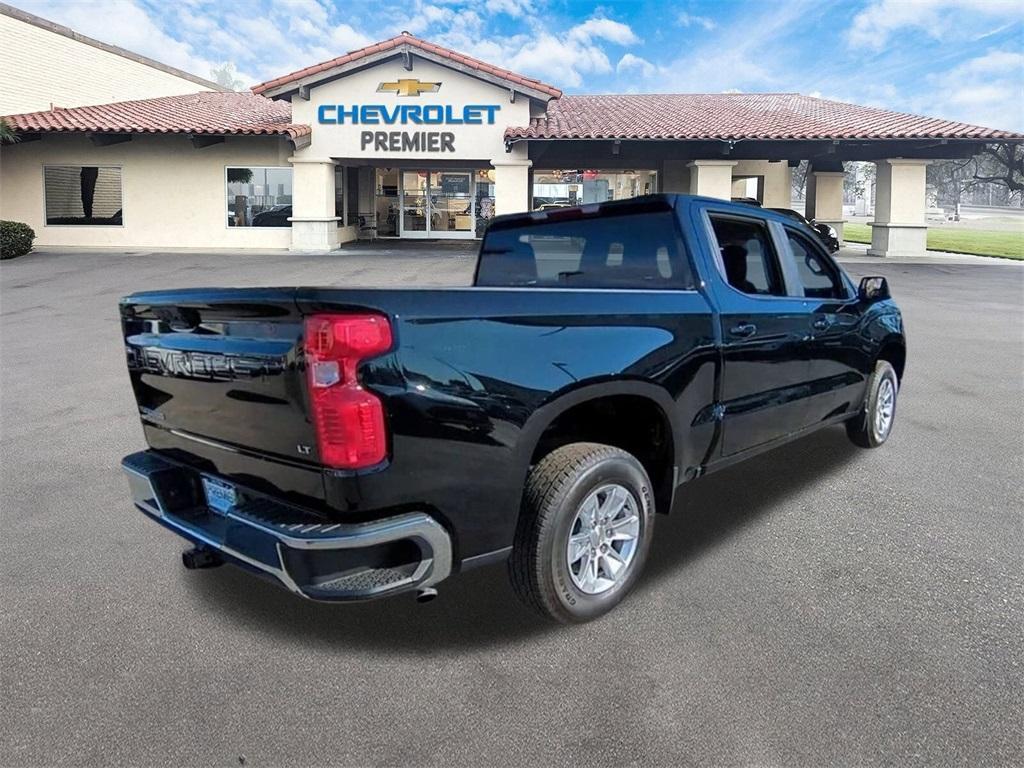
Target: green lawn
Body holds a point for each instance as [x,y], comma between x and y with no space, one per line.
[981,242]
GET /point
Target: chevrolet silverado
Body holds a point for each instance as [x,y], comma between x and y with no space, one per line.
[349,443]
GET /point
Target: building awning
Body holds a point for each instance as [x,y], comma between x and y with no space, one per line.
[199,114]
[735,117]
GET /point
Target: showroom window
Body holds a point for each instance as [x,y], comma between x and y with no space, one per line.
[83,195]
[259,197]
[564,188]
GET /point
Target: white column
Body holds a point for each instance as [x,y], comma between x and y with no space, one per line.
[314,225]
[899,228]
[711,178]
[778,185]
[512,182]
[774,180]
[825,199]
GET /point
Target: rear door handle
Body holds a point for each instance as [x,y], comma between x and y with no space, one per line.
[821,324]
[743,330]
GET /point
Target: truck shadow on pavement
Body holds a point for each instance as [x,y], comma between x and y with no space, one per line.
[478,608]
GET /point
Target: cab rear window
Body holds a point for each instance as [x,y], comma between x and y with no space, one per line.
[638,250]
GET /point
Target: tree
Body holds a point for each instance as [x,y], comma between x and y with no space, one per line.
[997,165]
[798,179]
[224,76]
[7,133]
[239,175]
[856,178]
[950,178]
[1001,164]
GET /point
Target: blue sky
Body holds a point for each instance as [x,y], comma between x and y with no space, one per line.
[958,59]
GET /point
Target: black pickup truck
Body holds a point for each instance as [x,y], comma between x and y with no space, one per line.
[351,443]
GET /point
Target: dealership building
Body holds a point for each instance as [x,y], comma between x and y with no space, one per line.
[407,139]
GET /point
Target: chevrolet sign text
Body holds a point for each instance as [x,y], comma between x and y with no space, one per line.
[406,114]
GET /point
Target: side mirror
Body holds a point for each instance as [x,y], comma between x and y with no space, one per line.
[873,289]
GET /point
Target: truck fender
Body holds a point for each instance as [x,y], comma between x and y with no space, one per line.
[560,402]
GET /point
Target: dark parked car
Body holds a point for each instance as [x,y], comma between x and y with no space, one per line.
[350,443]
[825,233]
[273,217]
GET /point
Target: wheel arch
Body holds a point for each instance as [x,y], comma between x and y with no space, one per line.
[894,350]
[556,421]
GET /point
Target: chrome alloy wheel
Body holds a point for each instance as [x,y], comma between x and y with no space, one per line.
[885,407]
[603,539]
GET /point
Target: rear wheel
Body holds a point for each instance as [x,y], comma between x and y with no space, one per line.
[584,532]
[872,426]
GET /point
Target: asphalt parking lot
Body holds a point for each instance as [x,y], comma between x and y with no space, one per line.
[818,605]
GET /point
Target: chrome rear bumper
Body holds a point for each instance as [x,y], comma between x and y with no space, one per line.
[314,559]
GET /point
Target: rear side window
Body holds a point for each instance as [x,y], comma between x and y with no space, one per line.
[639,250]
[748,257]
[818,278]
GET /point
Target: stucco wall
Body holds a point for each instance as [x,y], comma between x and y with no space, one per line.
[42,68]
[173,195]
[776,177]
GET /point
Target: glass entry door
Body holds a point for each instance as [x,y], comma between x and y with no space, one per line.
[415,213]
[438,204]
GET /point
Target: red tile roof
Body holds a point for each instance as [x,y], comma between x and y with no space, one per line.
[758,116]
[406,39]
[196,113]
[693,117]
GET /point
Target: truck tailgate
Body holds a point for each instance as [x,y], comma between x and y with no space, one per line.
[221,366]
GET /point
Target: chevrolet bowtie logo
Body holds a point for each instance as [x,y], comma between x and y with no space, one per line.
[408,87]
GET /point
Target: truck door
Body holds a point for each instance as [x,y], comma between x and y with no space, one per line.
[836,356]
[764,386]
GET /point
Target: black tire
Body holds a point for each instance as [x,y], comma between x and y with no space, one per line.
[863,429]
[555,490]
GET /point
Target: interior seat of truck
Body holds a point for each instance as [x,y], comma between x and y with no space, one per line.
[735,259]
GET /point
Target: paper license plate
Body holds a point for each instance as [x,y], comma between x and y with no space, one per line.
[220,497]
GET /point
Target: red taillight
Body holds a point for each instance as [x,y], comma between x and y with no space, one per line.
[349,420]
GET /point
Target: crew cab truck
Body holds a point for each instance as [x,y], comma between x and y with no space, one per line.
[351,443]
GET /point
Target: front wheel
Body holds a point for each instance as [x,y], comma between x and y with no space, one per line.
[584,532]
[872,426]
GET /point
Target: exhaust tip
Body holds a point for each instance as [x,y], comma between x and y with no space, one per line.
[426,594]
[200,557]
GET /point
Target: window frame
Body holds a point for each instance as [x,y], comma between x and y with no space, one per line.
[819,250]
[227,209]
[774,231]
[120,168]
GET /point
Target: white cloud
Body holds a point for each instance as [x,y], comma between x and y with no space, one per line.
[987,90]
[562,58]
[267,38]
[748,55]
[630,63]
[312,10]
[940,19]
[558,59]
[692,20]
[513,8]
[127,24]
[346,38]
[604,29]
